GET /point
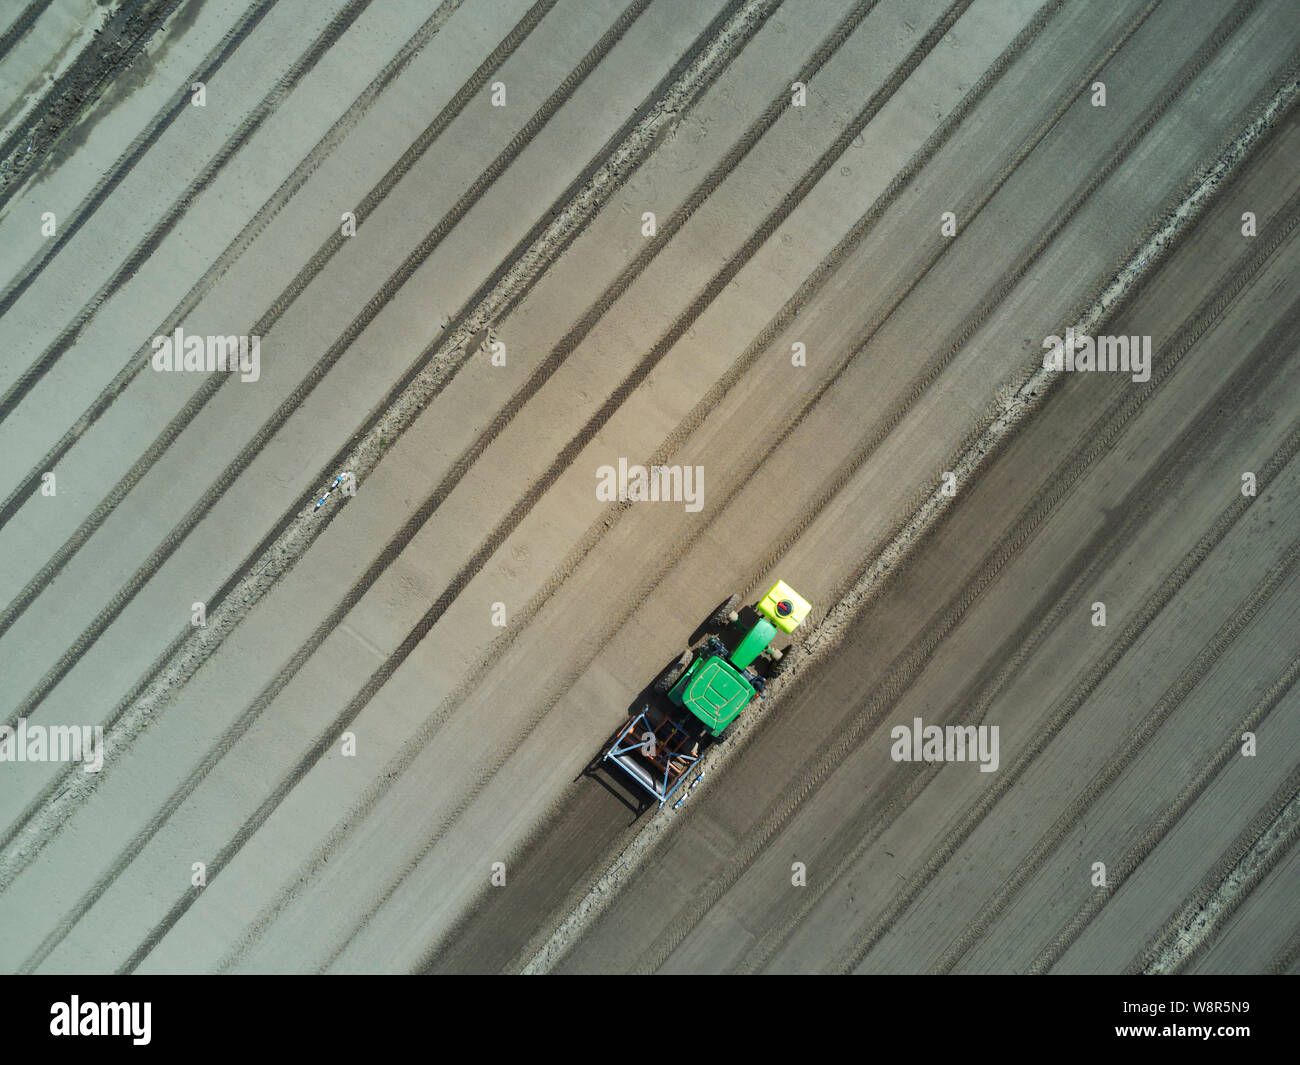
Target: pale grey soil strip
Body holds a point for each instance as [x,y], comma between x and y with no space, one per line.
[714,50]
[599,528]
[19,27]
[1003,419]
[134,152]
[1110,771]
[290,405]
[122,38]
[1238,872]
[716,285]
[907,666]
[152,240]
[1120,871]
[288,188]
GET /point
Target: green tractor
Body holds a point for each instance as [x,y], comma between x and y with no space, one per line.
[712,686]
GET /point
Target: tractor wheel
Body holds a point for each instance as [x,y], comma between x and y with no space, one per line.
[726,613]
[673,674]
[778,661]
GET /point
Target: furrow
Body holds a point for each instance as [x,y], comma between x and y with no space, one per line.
[711,53]
[200,289]
[1003,418]
[1121,870]
[19,27]
[294,401]
[152,240]
[909,665]
[1235,875]
[567,454]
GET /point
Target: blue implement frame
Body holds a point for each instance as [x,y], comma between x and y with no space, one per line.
[660,749]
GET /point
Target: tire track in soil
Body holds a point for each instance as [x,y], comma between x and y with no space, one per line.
[1120,871]
[152,240]
[126,162]
[1004,416]
[77,88]
[709,55]
[908,665]
[87,638]
[1254,853]
[522,508]
[200,289]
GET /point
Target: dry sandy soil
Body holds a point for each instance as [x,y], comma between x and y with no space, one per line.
[328,730]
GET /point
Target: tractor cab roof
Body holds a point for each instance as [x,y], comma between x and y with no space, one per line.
[716,693]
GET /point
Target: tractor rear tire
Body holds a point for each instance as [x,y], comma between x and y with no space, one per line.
[726,613]
[778,661]
[673,674]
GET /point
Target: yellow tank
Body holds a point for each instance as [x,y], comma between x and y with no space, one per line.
[784,607]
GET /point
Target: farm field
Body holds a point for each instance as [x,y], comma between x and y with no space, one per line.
[357,621]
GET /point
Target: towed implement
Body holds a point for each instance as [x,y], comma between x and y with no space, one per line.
[705,691]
